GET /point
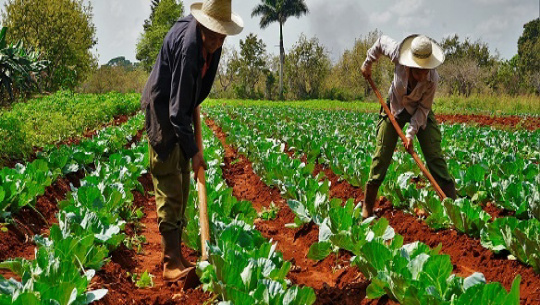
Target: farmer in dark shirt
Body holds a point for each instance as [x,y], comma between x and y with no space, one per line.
[180,80]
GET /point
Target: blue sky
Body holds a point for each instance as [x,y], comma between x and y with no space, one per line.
[338,23]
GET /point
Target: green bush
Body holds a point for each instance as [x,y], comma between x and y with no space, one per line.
[55,118]
[13,137]
[115,79]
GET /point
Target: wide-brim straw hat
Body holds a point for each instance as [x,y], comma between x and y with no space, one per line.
[217,16]
[419,51]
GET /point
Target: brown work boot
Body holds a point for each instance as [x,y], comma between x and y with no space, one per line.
[369,200]
[173,269]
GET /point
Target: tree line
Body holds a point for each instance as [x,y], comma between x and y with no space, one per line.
[45,45]
[470,68]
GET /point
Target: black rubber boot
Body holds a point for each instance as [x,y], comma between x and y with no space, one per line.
[369,200]
[449,190]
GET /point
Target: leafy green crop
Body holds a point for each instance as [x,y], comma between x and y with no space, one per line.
[21,185]
[68,115]
[410,274]
[521,238]
[47,280]
[90,225]
[145,280]
[243,267]
[498,166]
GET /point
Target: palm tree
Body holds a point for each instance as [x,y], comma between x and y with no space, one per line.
[279,10]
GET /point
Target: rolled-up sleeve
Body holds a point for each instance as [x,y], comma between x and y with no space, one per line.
[184,73]
[383,46]
[419,118]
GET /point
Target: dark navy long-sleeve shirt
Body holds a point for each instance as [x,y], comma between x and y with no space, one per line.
[176,87]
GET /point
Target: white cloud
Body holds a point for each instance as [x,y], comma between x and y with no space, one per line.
[494,26]
[380,18]
[407,7]
[491,2]
[336,24]
[410,15]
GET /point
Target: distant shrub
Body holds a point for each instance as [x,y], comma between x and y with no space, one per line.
[67,115]
[13,137]
[115,79]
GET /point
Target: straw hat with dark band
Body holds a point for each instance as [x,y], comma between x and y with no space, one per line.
[419,51]
[217,16]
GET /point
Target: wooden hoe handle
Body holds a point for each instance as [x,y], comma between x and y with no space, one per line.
[404,139]
[203,213]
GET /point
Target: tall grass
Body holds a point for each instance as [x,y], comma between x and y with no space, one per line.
[54,118]
[358,106]
[479,104]
[489,105]
[114,79]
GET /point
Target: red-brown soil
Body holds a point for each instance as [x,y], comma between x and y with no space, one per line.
[18,240]
[27,222]
[511,121]
[333,279]
[467,254]
[114,275]
[496,212]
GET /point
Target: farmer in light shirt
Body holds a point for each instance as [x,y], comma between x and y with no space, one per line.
[410,101]
[180,80]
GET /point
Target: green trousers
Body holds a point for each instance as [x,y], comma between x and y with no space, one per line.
[171,186]
[428,138]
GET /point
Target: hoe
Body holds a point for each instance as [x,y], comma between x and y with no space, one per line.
[192,280]
[402,136]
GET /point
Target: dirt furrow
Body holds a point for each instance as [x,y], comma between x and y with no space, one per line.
[467,254]
[115,275]
[334,280]
[17,240]
[503,122]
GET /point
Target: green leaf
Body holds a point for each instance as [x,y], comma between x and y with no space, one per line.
[375,257]
[320,250]
[299,296]
[145,281]
[95,295]
[416,265]
[436,271]
[28,298]
[376,289]
[474,279]
[475,173]
[300,210]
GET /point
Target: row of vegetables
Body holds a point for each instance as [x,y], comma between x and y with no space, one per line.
[90,225]
[23,125]
[347,148]
[243,267]
[410,274]
[21,185]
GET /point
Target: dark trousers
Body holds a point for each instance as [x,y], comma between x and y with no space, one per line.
[428,138]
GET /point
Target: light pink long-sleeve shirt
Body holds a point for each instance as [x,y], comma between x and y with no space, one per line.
[420,101]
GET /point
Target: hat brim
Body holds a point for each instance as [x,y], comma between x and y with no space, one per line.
[233,27]
[407,58]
